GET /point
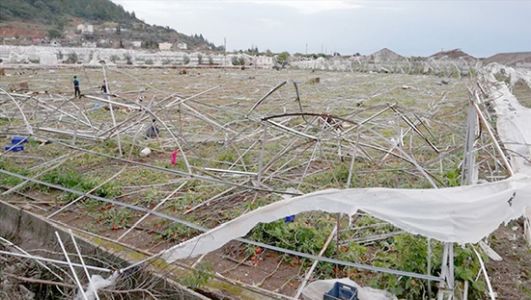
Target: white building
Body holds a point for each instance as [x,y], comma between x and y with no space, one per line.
[182,46]
[136,44]
[165,46]
[263,61]
[85,28]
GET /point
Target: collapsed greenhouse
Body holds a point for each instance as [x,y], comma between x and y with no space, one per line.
[256,184]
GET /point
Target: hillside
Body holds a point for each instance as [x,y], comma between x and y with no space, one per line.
[514,59]
[54,11]
[453,54]
[385,55]
[103,24]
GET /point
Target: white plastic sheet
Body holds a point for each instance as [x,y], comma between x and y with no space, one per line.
[461,214]
[96,283]
[513,124]
[316,290]
[513,120]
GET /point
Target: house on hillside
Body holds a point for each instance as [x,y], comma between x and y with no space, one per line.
[136,44]
[109,29]
[263,61]
[85,28]
[182,46]
[165,46]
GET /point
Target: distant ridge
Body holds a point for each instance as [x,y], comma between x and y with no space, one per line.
[385,55]
[453,54]
[510,58]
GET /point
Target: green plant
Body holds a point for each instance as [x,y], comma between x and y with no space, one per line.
[128,59]
[237,61]
[75,181]
[116,217]
[467,266]
[283,57]
[198,277]
[177,232]
[186,59]
[54,33]
[409,253]
[452,177]
[72,58]
[151,197]
[92,205]
[226,156]
[7,180]
[295,236]
[148,61]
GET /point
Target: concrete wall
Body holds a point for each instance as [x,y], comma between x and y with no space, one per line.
[31,231]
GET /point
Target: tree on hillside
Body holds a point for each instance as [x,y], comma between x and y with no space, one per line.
[282,58]
[48,11]
[54,33]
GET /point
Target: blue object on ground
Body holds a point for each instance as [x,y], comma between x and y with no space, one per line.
[17,140]
[97,105]
[13,148]
[289,219]
[341,291]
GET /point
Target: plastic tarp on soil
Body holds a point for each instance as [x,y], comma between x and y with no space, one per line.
[463,214]
[316,290]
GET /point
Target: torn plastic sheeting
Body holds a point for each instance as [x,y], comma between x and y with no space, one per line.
[513,125]
[316,290]
[512,121]
[462,214]
[96,283]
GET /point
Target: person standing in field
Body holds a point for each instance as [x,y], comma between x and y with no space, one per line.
[104,87]
[77,92]
[153,131]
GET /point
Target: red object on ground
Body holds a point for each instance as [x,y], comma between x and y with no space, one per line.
[173,158]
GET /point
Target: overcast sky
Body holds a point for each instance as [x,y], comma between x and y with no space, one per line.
[481,28]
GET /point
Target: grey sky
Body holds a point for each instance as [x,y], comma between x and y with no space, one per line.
[481,28]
